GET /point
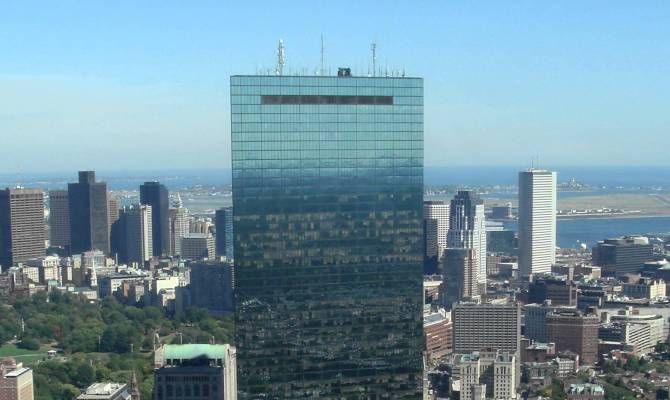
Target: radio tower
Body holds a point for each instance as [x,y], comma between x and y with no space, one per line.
[373,47]
[281,60]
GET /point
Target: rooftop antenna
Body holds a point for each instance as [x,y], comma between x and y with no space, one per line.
[373,47]
[281,59]
[321,72]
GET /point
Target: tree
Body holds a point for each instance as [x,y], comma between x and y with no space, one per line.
[83,375]
[69,391]
[29,344]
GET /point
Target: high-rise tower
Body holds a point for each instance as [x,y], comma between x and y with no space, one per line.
[89,219]
[467,228]
[139,236]
[327,195]
[178,222]
[537,221]
[59,219]
[156,195]
[22,227]
[436,220]
[224,232]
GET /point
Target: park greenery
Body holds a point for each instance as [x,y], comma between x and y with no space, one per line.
[98,341]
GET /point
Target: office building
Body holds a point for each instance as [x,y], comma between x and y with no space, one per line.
[644,332]
[560,290]
[469,371]
[438,332]
[139,233]
[108,285]
[178,221]
[621,256]
[59,219]
[195,371]
[505,377]
[16,381]
[480,326]
[537,221]
[156,195]
[106,391]
[645,288]
[211,286]
[113,210]
[200,225]
[467,229]
[487,374]
[461,274]
[224,232]
[574,331]
[22,229]
[89,214]
[328,197]
[197,246]
[535,319]
[436,220]
[48,268]
[501,241]
[502,212]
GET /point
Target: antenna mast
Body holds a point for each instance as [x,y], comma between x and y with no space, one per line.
[281,59]
[373,47]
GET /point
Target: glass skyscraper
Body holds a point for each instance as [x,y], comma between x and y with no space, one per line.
[327,195]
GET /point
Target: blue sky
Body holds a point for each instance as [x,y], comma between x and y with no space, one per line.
[144,85]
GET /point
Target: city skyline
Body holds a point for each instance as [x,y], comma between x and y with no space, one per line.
[348,200]
[559,78]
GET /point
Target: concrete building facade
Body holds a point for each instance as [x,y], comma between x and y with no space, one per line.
[537,221]
[22,228]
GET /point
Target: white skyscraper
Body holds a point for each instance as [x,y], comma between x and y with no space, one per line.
[537,221]
[467,228]
[178,221]
[139,242]
[436,220]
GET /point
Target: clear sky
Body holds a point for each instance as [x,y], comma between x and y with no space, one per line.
[144,84]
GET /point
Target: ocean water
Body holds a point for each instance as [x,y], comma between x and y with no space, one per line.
[508,175]
[611,177]
[572,232]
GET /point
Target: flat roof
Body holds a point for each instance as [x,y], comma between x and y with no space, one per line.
[16,372]
[193,351]
[433,318]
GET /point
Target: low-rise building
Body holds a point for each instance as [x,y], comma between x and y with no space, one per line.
[438,331]
[623,255]
[643,332]
[645,288]
[108,285]
[574,331]
[16,381]
[106,391]
[585,391]
[492,371]
[559,289]
[537,351]
[535,319]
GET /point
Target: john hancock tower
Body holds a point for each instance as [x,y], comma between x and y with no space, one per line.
[327,202]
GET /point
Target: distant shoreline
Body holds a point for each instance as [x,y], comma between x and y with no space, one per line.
[613,216]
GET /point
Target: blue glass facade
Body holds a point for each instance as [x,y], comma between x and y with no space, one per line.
[327,196]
